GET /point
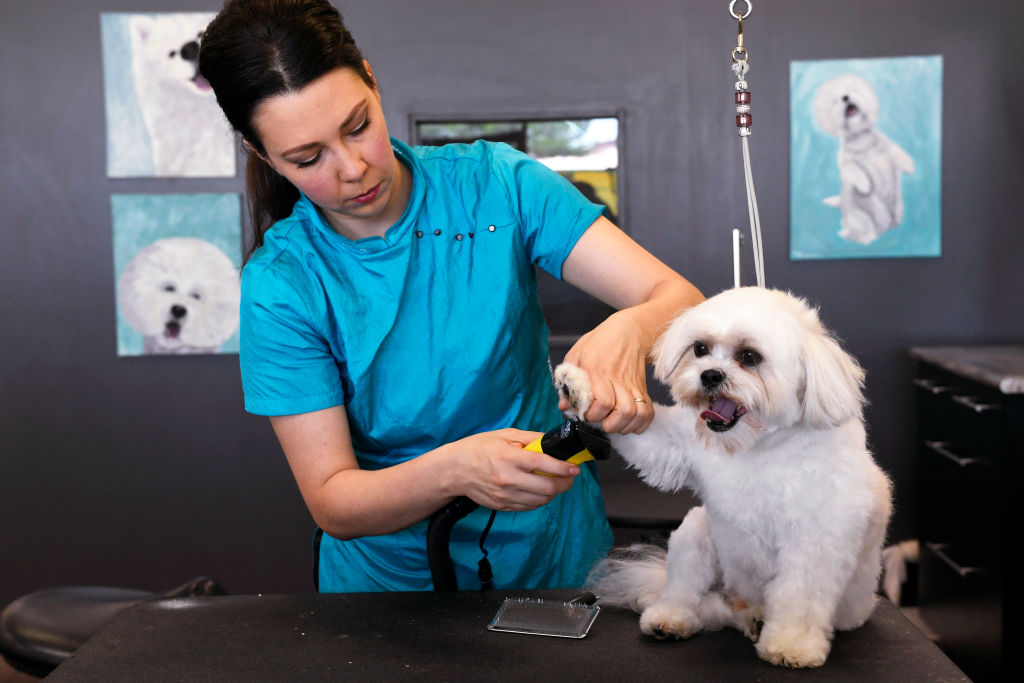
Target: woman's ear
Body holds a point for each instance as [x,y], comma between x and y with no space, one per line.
[369,72]
[252,150]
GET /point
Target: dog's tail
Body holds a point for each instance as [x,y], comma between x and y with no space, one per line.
[631,577]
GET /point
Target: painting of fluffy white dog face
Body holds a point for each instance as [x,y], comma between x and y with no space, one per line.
[162,115]
[766,429]
[182,295]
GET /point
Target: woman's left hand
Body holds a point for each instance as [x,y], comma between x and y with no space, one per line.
[610,266]
[614,356]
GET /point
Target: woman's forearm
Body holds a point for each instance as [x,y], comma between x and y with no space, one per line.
[666,300]
[356,502]
[346,501]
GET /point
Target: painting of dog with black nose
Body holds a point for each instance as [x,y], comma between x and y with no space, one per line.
[182,294]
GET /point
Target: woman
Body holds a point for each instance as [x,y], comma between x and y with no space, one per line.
[391,327]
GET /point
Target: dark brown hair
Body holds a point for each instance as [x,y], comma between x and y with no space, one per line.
[257,49]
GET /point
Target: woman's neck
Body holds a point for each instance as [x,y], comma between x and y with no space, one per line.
[376,226]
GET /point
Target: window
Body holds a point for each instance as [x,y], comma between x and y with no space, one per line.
[584,150]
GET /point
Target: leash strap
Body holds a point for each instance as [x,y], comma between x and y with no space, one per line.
[740,67]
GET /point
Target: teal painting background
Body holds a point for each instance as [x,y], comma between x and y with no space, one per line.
[909,92]
[128,149]
[141,219]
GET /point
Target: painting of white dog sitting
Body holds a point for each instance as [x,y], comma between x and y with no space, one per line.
[766,427]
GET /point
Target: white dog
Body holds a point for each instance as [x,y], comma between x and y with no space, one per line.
[766,429]
[188,134]
[870,198]
[182,294]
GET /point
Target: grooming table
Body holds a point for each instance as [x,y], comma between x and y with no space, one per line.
[444,636]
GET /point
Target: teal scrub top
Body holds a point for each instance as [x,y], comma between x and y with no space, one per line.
[426,335]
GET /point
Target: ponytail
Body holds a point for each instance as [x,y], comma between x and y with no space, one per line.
[271,197]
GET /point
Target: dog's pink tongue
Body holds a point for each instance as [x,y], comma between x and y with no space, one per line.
[202,83]
[722,410]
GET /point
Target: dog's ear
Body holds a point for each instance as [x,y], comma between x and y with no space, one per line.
[142,26]
[834,382]
[669,349]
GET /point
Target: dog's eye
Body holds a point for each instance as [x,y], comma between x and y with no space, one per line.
[749,358]
[700,349]
[169,288]
[196,295]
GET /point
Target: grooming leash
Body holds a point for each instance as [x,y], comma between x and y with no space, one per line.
[740,67]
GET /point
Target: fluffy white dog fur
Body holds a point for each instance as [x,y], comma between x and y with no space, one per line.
[181,294]
[870,197]
[767,429]
[188,134]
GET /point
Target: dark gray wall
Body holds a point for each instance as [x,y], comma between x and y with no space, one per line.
[146,471]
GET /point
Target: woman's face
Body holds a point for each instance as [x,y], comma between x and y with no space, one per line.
[329,139]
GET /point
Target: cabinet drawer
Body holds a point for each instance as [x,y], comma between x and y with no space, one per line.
[961,499]
[965,414]
[960,602]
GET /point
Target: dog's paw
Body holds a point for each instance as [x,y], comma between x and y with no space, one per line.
[669,620]
[797,646]
[574,386]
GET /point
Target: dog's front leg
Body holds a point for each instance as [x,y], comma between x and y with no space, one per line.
[800,603]
[687,606]
[660,454]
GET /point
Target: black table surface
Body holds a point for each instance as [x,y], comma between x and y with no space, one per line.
[444,637]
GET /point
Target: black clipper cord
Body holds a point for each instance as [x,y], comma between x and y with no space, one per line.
[572,441]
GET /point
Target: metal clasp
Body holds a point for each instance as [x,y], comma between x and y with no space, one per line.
[739,53]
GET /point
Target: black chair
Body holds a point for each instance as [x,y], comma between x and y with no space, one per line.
[40,630]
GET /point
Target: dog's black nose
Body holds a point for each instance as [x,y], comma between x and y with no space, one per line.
[712,378]
[178,311]
[190,51]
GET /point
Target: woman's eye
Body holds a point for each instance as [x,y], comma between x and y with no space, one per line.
[362,126]
[749,357]
[308,162]
[700,349]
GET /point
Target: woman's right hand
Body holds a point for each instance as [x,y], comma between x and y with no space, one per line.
[496,471]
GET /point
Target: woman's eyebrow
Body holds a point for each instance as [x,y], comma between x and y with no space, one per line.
[352,116]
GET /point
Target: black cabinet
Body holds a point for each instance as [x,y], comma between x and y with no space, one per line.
[970,441]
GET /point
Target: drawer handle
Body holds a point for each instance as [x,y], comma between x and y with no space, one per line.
[973,402]
[942,448]
[940,550]
[931,385]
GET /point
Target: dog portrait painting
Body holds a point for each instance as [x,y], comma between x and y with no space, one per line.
[766,429]
[162,115]
[866,158]
[177,270]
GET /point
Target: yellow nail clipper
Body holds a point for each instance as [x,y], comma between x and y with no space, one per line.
[574,442]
